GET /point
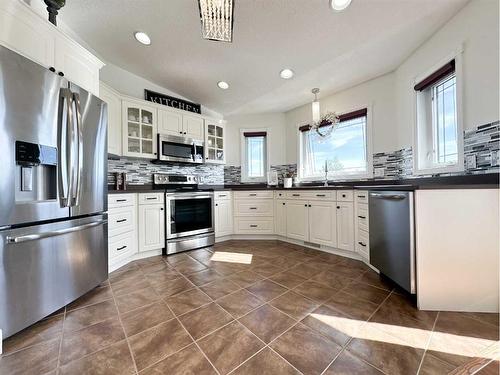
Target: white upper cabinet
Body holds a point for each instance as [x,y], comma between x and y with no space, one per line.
[174,122]
[25,32]
[345,226]
[170,123]
[215,142]
[139,130]
[193,127]
[323,223]
[112,99]
[77,64]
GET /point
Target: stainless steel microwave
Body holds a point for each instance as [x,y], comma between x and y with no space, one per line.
[179,149]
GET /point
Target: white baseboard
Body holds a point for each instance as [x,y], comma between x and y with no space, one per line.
[124,261]
[327,249]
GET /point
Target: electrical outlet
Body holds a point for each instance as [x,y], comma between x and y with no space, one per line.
[379,172]
[470,162]
[494,158]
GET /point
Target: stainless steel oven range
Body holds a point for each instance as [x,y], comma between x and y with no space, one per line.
[189,213]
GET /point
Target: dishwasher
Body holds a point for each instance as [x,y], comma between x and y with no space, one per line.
[392,238]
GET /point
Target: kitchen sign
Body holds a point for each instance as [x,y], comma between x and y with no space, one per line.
[170,101]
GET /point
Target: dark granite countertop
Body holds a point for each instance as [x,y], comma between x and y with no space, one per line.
[477,181]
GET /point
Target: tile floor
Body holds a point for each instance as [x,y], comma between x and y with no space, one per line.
[250,307]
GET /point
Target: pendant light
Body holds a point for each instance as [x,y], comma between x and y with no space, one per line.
[316,115]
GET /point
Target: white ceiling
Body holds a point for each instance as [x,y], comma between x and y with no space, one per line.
[328,50]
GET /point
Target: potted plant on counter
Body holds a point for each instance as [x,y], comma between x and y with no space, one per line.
[287,179]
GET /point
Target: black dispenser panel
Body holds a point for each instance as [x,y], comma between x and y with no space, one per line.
[33,154]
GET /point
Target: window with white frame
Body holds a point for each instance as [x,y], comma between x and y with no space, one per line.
[438,131]
[344,153]
[254,156]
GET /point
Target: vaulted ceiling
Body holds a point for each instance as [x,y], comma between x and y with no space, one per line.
[325,49]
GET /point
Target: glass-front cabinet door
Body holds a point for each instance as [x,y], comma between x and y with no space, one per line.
[214,142]
[139,132]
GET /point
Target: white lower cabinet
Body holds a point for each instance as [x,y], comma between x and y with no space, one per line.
[151,223]
[323,223]
[362,225]
[280,217]
[122,229]
[254,212]
[345,226]
[297,220]
[223,216]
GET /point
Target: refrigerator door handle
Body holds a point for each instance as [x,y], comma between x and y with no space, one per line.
[64,146]
[77,187]
[39,236]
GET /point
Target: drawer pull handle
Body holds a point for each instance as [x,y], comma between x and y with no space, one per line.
[222,195]
[338,207]
[362,217]
[361,196]
[121,200]
[295,195]
[121,248]
[151,198]
[362,244]
[253,208]
[320,195]
[343,195]
[121,220]
[283,203]
[253,225]
[252,195]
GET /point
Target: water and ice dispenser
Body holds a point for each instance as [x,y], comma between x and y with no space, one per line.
[36,172]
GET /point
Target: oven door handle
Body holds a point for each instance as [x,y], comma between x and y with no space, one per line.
[184,196]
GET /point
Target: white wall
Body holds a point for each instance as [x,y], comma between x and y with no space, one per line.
[273,122]
[476,26]
[130,84]
[377,93]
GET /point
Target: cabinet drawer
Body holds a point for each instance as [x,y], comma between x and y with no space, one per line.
[222,195]
[361,196]
[279,194]
[121,200]
[362,217]
[345,195]
[255,207]
[121,220]
[266,194]
[254,226]
[121,245]
[311,194]
[362,244]
[297,194]
[150,198]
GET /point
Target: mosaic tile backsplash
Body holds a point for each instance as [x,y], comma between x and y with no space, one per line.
[482,143]
[140,172]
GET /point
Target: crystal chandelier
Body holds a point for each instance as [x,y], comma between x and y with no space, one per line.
[217,19]
[323,125]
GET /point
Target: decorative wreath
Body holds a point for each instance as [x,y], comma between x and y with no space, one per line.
[329,118]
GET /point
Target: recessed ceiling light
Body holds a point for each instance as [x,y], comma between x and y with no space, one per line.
[142,38]
[286,73]
[223,85]
[339,5]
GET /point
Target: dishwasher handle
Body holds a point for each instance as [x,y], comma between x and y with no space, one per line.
[394,197]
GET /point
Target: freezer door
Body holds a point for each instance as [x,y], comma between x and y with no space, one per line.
[30,98]
[88,194]
[45,267]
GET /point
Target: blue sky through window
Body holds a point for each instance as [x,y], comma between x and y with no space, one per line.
[344,150]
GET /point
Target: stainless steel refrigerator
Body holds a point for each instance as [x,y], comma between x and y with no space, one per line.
[53,192]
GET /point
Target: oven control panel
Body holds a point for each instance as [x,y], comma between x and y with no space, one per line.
[174,179]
